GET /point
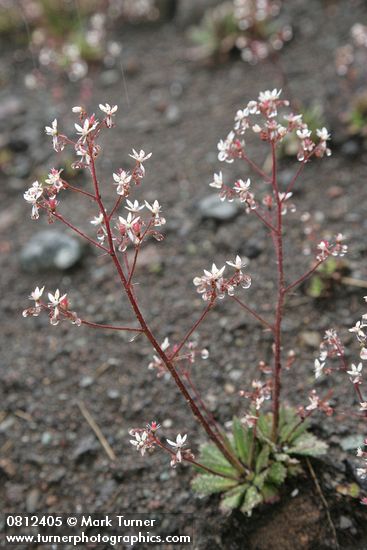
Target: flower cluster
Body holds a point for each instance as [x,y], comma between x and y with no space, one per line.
[58,307]
[214,285]
[134,228]
[122,179]
[315,403]
[146,440]
[330,347]
[326,249]
[261,391]
[272,129]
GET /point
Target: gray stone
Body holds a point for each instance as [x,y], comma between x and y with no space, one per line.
[88,445]
[345,523]
[173,115]
[351,148]
[213,208]
[50,249]
[86,381]
[32,500]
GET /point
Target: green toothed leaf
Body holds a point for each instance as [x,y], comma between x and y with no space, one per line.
[207,484]
[252,499]
[269,492]
[308,444]
[242,440]
[277,473]
[211,457]
[233,498]
[262,460]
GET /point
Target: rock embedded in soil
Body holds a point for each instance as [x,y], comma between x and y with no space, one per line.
[50,249]
[211,207]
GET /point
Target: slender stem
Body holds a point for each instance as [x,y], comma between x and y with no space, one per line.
[77,190]
[304,277]
[109,327]
[194,327]
[75,229]
[132,270]
[115,207]
[192,461]
[137,250]
[256,168]
[253,313]
[148,333]
[294,179]
[265,222]
[278,240]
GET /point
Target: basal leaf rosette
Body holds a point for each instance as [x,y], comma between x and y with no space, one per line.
[267,464]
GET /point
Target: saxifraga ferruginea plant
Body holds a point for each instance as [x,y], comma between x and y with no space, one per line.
[266,444]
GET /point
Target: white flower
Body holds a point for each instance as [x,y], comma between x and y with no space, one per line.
[108,109]
[52,130]
[56,299]
[269,95]
[323,134]
[284,196]
[224,148]
[217,183]
[77,109]
[314,403]
[319,366]
[155,209]
[122,180]
[141,156]
[215,273]
[84,130]
[165,344]
[31,196]
[252,107]
[256,128]
[129,221]
[355,373]
[293,118]
[140,442]
[363,406]
[54,178]
[134,206]
[178,444]
[303,133]
[358,329]
[33,193]
[83,153]
[36,294]
[237,263]
[97,220]
[363,354]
